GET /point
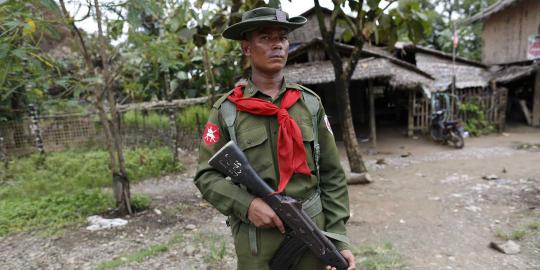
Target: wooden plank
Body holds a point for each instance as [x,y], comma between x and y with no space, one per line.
[526,112]
[372,127]
[427,115]
[162,104]
[410,121]
[536,101]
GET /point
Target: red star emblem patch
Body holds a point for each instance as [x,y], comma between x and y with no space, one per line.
[210,134]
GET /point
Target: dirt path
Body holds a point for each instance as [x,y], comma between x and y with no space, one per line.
[433,206]
[439,213]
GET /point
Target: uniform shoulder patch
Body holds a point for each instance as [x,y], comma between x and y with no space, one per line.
[211,133]
[328,124]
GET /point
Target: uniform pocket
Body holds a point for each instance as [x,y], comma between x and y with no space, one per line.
[252,137]
[254,144]
[308,138]
[307,132]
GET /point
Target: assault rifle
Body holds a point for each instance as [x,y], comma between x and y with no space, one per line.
[302,233]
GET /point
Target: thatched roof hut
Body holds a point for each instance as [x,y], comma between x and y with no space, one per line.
[371,68]
[469,74]
[377,64]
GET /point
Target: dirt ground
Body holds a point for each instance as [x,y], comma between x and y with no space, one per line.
[428,201]
[439,213]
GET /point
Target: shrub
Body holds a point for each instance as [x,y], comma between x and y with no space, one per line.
[140,202]
[194,117]
[476,123]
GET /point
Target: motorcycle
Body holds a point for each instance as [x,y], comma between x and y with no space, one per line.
[447,132]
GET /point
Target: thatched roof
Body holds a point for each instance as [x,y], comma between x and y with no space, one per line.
[513,73]
[411,47]
[491,10]
[440,65]
[369,68]
[367,51]
[466,76]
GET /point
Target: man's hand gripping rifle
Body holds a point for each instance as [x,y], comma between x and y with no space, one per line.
[302,233]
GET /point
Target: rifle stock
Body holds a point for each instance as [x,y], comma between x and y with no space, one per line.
[231,161]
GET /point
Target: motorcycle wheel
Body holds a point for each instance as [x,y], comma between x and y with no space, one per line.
[457,140]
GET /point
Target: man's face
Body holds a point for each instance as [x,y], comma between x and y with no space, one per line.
[267,48]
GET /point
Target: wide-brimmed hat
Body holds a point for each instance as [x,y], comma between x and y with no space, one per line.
[259,17]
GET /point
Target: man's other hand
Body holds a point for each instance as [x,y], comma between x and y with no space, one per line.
[262,216]
[348,255]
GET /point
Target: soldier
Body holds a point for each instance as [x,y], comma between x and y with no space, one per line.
[284,132]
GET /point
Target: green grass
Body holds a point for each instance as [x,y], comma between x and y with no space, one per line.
[518,234]
[216,245]
[151,120]
[194,117]
[68,186]
[191,118]
[378,257]
[139,255]
[51,211]
[535,225]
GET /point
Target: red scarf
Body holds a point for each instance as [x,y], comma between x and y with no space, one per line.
[291,153]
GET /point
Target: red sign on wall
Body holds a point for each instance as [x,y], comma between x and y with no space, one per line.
[533,50]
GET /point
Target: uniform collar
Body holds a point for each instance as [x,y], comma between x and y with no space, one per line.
[251,90]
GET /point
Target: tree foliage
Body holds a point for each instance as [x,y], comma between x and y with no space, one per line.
[139,54]
[445,15]
[26,74]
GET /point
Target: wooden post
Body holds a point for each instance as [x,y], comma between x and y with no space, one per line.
[503,100]
[34,127]
[536,100]
[361,105]
[410,121]
[3,153]
[526,112]
[372,127]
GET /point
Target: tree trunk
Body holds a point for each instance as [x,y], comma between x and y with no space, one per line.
[342,82]
[352,147]
[121,185]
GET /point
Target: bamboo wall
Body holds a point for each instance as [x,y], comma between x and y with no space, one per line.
[491,102]
[505,33]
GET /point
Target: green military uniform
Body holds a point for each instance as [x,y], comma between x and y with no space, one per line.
[257,136]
